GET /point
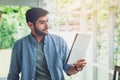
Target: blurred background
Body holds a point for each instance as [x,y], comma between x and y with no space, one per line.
[100,18]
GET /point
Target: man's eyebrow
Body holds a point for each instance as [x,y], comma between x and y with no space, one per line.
[43,20]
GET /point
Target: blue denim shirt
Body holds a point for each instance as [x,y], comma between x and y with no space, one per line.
[23,59]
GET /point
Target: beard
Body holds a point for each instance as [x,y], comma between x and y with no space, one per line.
[40,32]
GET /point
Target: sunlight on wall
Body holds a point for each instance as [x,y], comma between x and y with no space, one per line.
[5,55]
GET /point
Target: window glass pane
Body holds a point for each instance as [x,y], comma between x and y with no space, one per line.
[89,22]
[102,2]
[64,15]
[64,22]
[102,37]
[74,22]
[62,5]
[102,74]
[117,37]
[89,4]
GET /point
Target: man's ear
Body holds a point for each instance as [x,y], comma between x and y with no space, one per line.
[30,25]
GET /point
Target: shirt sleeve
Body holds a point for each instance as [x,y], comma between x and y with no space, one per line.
[65,54]
[15,65]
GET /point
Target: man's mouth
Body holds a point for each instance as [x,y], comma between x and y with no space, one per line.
[46,29]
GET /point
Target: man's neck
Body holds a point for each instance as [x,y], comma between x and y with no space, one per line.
[38,37]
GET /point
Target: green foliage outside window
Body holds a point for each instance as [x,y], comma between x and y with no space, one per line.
[117,37]
[7,32]
[12,19]
[102,42]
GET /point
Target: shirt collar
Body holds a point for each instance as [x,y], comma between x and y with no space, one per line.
[32,38]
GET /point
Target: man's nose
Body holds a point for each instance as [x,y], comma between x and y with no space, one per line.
[47,24]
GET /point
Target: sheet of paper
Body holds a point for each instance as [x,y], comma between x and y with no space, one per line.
[79,47]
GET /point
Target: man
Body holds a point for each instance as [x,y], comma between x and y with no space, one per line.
[40,55]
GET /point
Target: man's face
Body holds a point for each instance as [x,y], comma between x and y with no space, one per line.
[41,26]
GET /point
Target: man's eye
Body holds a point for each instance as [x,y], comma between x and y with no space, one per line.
[42,22]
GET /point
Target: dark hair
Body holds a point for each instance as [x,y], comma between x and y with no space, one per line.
[34,13]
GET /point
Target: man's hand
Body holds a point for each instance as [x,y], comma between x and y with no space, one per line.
[77,66]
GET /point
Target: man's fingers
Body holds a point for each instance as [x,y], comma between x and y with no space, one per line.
[82,59]
[81,62]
